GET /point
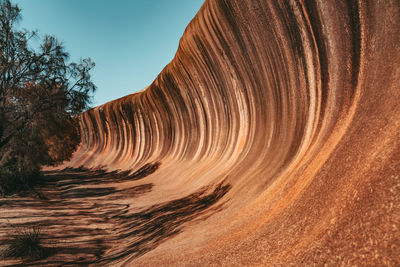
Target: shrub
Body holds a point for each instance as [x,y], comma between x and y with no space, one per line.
[17,176]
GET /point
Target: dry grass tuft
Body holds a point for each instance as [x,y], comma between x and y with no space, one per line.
[25,243]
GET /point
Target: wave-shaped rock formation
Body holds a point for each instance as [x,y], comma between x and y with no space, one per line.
[272,138]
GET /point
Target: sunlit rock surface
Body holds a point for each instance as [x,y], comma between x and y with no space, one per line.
[272,138]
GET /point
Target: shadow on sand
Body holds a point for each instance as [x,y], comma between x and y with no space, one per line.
[87,218]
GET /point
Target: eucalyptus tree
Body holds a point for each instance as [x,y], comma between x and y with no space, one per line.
[40,94]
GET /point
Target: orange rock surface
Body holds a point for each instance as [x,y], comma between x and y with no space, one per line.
[271,139]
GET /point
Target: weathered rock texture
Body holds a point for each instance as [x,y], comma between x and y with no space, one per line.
[291,107]
[296,105]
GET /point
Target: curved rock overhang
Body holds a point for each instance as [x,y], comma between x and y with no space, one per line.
[294,107]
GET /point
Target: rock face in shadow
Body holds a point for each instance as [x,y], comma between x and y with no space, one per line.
[293,104]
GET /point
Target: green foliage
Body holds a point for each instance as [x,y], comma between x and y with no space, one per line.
[26,243]
[40,93]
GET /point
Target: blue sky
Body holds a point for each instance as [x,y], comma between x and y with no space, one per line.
[130,41]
